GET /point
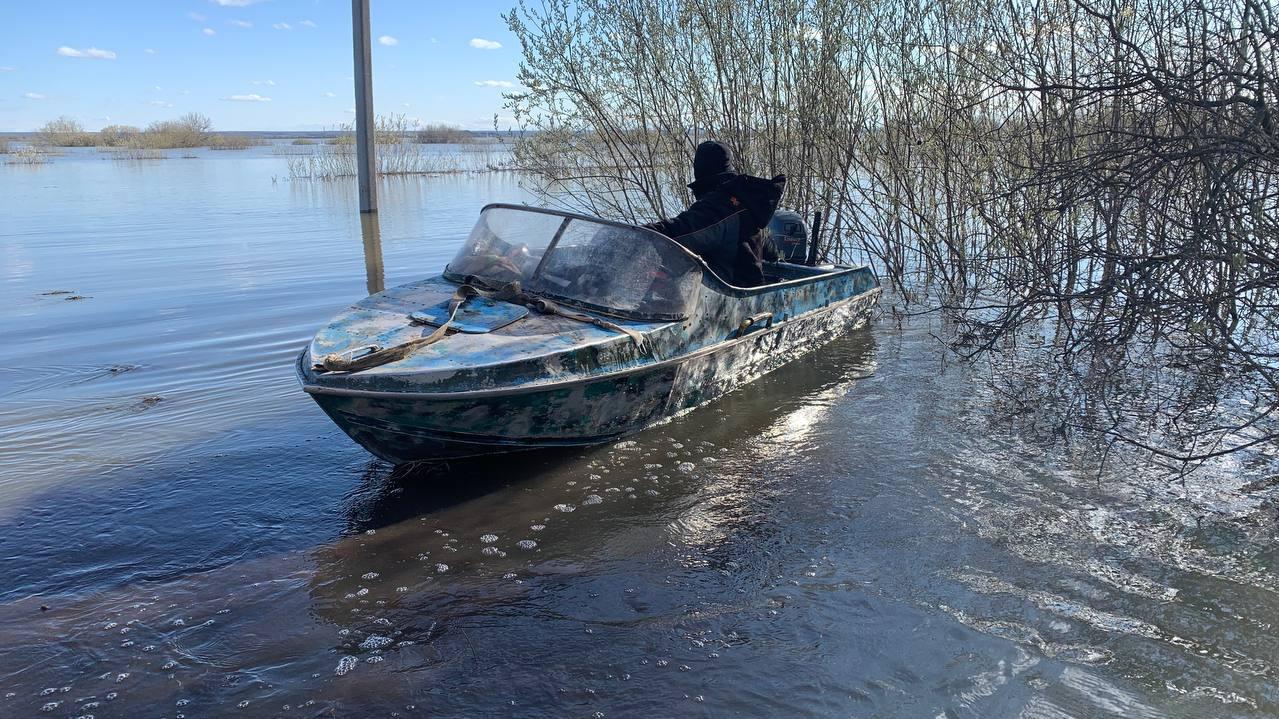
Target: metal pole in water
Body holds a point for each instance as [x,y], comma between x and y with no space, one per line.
[375,274]
[365,157]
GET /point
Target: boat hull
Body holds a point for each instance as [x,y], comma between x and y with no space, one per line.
[404,427]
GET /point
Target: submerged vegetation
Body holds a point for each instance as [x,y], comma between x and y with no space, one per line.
[1090,181]
[233,142]
[29,155]
[440,134]
[399,142]
[397,153]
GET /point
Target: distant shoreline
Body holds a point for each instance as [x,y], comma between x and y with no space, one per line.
[286,134]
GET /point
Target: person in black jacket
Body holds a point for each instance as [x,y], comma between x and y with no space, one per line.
[725,223]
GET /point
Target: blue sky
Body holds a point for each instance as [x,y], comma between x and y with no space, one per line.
[136,61]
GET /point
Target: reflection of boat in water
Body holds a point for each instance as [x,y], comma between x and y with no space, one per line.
[553,329]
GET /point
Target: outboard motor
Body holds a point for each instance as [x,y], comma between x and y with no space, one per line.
[789,236]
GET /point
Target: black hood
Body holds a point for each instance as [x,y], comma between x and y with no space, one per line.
[712,165]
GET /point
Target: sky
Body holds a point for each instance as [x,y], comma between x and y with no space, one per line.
[251,64]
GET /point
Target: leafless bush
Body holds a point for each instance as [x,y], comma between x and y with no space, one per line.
[1104,171]
[65,132]
[29,155]
[233,142]
[439,134]
[117,135]
[190,130]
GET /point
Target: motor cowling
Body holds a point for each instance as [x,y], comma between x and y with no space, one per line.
[789,236]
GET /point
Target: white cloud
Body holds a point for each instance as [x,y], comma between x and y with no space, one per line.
[282,26]
[351,110]
[161,103]
[33,96]
[5,68]
[241,23]
[330,94]
[197,16]
[434,41]
[494,83]
[149,51]
[482,44]
[209,31]
[264,82]
[307,23]
[234,3]
[248,98]
[388,41]
[89,52]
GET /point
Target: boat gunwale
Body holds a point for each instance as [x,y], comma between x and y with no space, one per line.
[315,389]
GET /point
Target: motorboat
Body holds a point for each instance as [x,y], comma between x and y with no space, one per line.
[554,329]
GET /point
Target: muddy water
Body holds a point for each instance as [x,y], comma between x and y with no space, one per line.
[182,533]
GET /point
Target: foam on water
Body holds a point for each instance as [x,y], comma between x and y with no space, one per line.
[345,665]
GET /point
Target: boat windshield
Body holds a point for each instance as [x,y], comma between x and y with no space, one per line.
[615,268]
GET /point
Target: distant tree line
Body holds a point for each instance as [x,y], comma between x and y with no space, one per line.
[190,130]
[440,134]
[1110,167]
[196,130]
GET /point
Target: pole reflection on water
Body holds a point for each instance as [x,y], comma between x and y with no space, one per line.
[375,274]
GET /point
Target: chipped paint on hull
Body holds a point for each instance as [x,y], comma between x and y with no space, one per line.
[555,382]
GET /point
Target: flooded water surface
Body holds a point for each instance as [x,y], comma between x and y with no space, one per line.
[184,534]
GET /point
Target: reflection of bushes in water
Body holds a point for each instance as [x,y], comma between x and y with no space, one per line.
[397,154]
[1149,402]
[303,141]
[4,146]
[137,153]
